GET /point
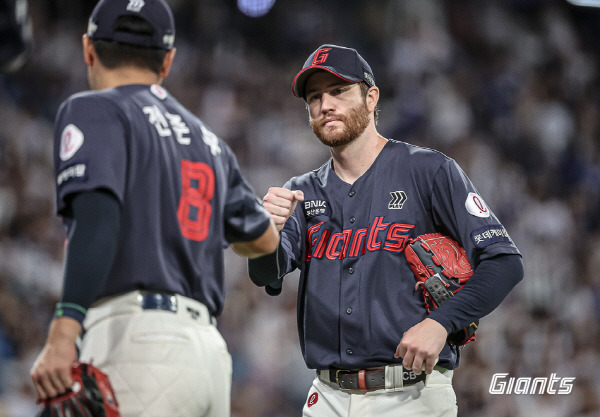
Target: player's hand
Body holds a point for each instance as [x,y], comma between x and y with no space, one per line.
[281,203]
[421,346]
[51,372]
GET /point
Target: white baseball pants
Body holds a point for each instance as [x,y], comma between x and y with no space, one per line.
[160,363]
[437,399]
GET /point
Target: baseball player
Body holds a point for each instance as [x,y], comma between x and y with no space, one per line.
[362,325]
[150,197]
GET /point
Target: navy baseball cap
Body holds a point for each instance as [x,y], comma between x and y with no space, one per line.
[156,12]
[342,62]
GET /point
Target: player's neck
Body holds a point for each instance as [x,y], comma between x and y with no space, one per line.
[123,76]
[350,162]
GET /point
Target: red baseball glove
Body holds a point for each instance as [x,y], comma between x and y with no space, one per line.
[91,395]
[441,268]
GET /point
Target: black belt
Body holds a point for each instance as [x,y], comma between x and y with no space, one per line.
[150,300]
[366,379]
[158,301]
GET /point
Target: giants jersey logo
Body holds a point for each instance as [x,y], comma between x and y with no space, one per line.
[321,242]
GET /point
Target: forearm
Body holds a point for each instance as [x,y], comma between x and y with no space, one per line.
[63,330]
[265,244]
[91,251]
[267,269]
[491,282]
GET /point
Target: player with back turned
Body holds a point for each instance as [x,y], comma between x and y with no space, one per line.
[150,198]
[362,322]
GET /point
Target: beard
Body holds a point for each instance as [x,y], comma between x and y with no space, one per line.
[355,123]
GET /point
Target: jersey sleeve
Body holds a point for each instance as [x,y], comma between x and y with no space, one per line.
[245,218]
[460,210]
[286,259]
[90,148]
[290,247]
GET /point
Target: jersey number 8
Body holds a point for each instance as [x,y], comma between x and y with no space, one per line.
[197,189]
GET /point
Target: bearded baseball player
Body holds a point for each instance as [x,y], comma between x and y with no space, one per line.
[382,330]
[150,197]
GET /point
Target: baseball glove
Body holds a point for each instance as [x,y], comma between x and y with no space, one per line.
[441,268]
[90,396]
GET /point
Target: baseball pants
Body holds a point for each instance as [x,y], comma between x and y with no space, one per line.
[437,399]
[161,363]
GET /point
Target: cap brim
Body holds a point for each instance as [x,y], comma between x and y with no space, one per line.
[299,83]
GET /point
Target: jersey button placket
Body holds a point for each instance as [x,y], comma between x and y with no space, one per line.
[349,289]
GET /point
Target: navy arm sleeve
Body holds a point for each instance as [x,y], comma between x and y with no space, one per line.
[91,250]
[490,283]
[268,271]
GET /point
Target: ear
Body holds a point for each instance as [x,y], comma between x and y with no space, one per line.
[372,98]
[89,53]
[167,62]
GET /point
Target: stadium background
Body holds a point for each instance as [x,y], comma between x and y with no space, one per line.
[510,89]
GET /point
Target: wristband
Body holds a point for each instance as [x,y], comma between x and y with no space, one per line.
[74,311]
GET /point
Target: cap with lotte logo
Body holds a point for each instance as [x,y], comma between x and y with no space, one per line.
[102,23]
[343,62]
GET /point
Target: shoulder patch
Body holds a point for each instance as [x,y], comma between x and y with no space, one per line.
[476,206]
[70,142]
[158,91]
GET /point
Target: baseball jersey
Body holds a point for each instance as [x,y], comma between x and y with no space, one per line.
[357,293]
[182,196]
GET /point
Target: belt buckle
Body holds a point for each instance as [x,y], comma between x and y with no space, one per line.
[338,383]
[337,377]
[158,301]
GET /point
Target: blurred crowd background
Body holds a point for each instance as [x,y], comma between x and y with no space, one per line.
[509,88]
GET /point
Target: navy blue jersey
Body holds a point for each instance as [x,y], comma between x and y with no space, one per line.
[356,292]
[181,192]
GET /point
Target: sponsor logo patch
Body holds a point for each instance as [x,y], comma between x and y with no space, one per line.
[314,208]
[398,200]
[476,206]
[312,400]
[368,78]
[70,142]
[74,171]
[135,6]
[490,234]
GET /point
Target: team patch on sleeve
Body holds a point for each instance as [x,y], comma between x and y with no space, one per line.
[487,235]
[476,206]
[70,141]
[76,171]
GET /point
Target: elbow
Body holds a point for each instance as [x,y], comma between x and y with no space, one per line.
[519,270]
[512,268]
